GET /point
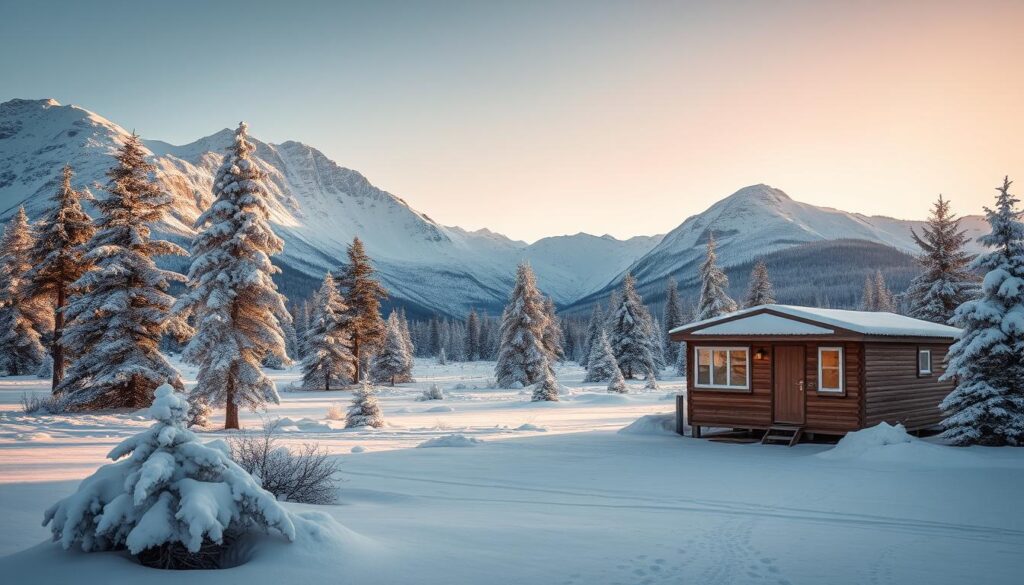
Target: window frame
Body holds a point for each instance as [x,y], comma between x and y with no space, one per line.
[728,349]
[841,390]
[931,364]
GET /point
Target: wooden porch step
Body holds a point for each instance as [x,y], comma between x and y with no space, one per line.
[782,434]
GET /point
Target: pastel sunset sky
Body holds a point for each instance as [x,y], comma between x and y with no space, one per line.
[543,118]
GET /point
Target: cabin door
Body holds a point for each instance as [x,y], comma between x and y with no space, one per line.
[788,384]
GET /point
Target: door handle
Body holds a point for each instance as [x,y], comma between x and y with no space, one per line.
[800,385]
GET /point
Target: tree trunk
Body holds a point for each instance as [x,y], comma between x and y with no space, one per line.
[327,380]
[56,349]
[359,362]
[230,408]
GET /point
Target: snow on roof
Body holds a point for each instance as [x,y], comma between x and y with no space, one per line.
[867,323]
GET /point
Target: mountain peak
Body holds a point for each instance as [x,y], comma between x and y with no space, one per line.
[760,192]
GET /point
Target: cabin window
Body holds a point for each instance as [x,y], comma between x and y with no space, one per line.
[830,369]
[722,367]
[924,362]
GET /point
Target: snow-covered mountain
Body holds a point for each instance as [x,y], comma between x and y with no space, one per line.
[317,208]
[758,220]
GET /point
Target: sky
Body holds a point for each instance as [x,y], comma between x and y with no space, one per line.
[546,118]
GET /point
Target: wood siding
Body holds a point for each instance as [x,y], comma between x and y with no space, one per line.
[754,409]
[731,408]
[895,392]
[835,413]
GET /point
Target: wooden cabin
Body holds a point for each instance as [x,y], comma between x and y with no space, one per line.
[807,370]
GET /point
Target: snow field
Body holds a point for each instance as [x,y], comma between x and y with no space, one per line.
[553,494]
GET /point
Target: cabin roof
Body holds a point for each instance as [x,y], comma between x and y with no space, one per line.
[793,320]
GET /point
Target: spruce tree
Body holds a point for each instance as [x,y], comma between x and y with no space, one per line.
[630,332]
[946,282]
[594,328]
[365,410]
[552,338]
[987,360]
[21,348]
[119,307]
[391,363]
[867,295]
[714,298]
[522,357]
[760,291]
[328,361]
[472,336]
[884,300]
[410,348]
[547,389]
[657,351]
[602,365]
[57,260]
[237,308]
[363,294]
[617,384]
[673,318]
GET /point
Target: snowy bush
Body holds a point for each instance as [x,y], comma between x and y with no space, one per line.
[432,393]
[167,498]
[304,474]
[336,412]
[46,404]
[45,370]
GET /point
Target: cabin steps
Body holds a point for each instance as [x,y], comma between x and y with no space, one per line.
[782,435]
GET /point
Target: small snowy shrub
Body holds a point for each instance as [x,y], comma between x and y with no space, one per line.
[304,474]
[336,412]
[432,393]
[47,404]
[168,499]
[364,411]
[617,384]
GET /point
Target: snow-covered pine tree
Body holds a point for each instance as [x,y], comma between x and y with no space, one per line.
[472,336]
[410,348]
[946,282]
[363,294]
[594,327]
[987,360]
[602,365]
[57,260]
[680,363]
[119,307]
[673,317]
[547,389]
[714,298]
[237,308]
[760,291]
[392,363]
[435,343]
[21,348]
[442,357]
[657,351]
[364,411]
[652,381]
[617,384]
[884,300]
[522,357]
[552,338]
[166,495]
[867,295]
[630,332]
[328,361]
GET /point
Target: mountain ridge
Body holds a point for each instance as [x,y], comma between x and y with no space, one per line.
[317,206]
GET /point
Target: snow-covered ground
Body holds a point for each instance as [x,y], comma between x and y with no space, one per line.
[520,492]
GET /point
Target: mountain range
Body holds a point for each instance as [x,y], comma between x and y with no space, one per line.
[318,206]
